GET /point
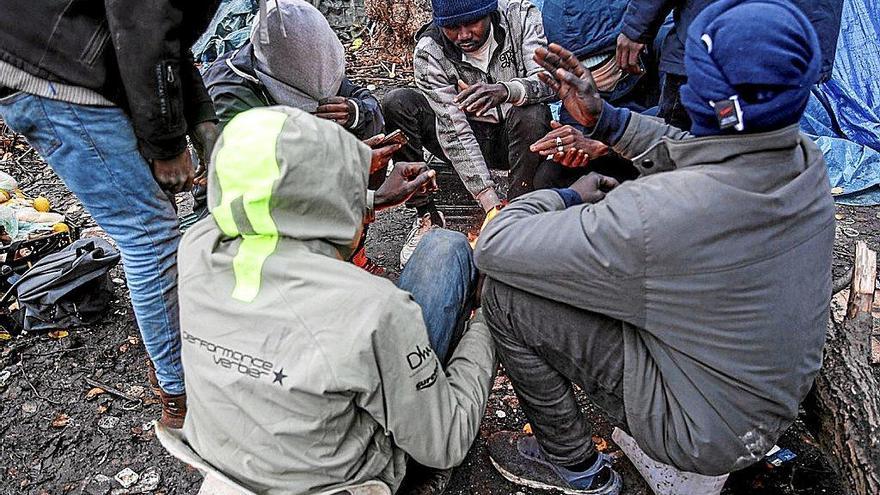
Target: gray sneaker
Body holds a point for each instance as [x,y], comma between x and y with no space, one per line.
[421,226]
[520,459]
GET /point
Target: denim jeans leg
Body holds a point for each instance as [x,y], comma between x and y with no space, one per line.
[95,152]
[441,278]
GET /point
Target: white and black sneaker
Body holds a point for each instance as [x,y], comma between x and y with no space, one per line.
[421,226]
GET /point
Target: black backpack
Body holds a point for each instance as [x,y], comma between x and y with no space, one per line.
[65,289]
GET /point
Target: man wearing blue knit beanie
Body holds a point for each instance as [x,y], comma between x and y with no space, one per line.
[690,304]
[478,102]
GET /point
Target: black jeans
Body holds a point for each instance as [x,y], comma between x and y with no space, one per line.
[671,109]
[505,145]
[545,346]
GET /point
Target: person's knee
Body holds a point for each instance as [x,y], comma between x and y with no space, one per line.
[447,244]
[400,102]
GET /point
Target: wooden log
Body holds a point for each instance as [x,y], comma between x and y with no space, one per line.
[845,406]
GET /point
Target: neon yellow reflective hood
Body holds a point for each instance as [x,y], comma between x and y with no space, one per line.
[280,173]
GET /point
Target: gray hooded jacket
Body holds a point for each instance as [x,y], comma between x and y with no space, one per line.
[717,260]
[305,373]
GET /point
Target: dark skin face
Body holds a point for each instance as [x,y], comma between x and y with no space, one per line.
[469,37]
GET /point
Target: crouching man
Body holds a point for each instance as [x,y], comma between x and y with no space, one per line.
[305,373]
[478,102]
[690,304]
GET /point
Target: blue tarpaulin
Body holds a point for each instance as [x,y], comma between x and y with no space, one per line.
[843,115]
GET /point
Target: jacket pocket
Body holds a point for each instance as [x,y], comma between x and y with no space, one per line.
[96,44]
[169,92]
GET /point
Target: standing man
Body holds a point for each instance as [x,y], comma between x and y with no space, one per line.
[643,19]
[479,101]
[107,93]
[691,304]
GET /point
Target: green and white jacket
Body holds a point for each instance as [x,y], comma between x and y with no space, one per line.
[305,373]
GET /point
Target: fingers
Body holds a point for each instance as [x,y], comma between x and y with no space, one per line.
[607,183]
[332,108]
[633,62]
[466,92]
[483,105]
[548,145]
[411,169]
[462,85]
[331,100]
[339,118]
[549,80]
[373,141]
[555,125]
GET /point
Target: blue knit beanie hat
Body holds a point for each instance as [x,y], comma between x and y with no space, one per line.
[750,66]
[454,12]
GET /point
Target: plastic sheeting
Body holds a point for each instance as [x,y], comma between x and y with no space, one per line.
[843,114]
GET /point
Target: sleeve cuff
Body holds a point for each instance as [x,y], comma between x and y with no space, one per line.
[488,199]
[570,197]
[163,149]
[516,92]
[370,211]
[611,124]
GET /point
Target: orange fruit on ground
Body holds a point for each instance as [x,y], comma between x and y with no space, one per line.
[60,227]
[41,204]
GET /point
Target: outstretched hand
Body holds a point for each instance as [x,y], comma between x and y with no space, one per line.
[572,82]
[405,179]
[568,146]
[381,154]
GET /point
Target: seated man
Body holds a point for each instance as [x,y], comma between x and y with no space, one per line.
[295,59]
[305,373]
[691,304]
[479,99]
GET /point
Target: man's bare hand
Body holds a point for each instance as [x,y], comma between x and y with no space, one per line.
[572,82]
[203,137]
[479,98]
[405,180]
[382,155]
[572,149]
[628,54]
[592,187]
[176,174]
[336,108]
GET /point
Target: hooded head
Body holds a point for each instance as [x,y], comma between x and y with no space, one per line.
[750,65]
[281,173]
[299,59]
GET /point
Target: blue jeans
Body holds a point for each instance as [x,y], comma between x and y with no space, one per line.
[95,152]
[441,277]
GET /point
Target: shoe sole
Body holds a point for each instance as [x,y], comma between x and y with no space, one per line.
[612,488]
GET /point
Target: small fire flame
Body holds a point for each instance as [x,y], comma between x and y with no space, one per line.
[474,236]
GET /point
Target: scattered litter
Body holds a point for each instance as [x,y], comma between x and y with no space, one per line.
[357,44]
[118,281]
[4,335]
[108,422]
[779,456]
[148,482]
[58,334]
[838,216]
[835,191]
[147,426]
[133,340]
[126,477]
[501,414]
[7,182]
[850,232]
[61,421]
[29,407]
[371,87]
[527,429]
[4,377]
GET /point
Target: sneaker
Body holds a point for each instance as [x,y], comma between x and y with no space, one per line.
[421,226]
[173,409]
[360,260]
[520,459]
[422,480]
